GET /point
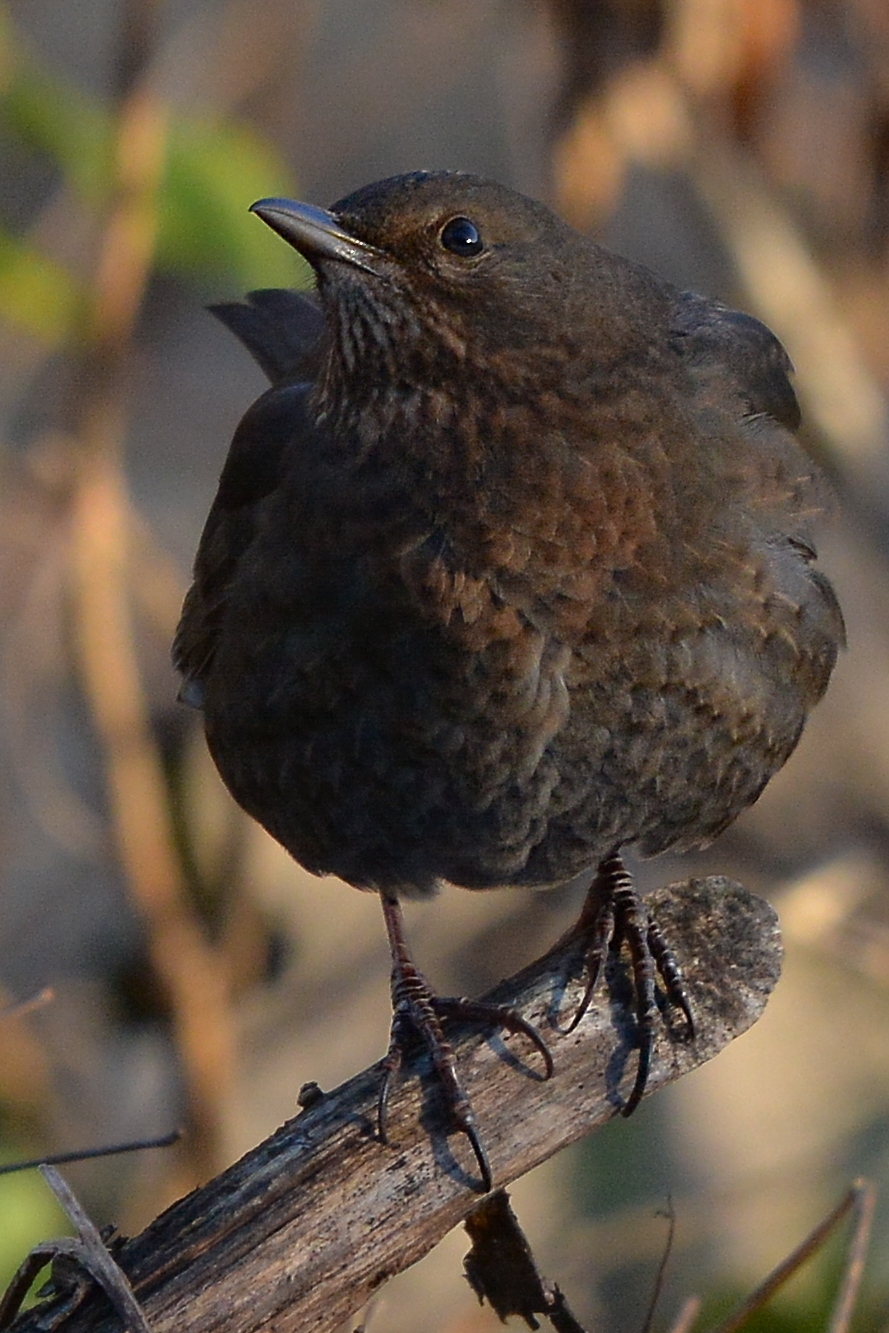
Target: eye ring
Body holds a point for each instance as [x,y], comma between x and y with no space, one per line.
[460,236]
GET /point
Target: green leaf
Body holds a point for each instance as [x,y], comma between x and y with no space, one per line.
[213,173]
[36,293]
[65,124]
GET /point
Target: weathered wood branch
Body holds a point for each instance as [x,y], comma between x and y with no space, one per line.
[300,1232]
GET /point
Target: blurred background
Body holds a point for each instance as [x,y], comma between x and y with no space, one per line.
[741,148]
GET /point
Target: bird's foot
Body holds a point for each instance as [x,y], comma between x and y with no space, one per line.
[612,915]
[418,1012]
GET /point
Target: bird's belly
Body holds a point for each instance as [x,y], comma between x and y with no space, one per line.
[393,757]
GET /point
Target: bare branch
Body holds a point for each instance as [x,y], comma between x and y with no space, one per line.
[301,1232]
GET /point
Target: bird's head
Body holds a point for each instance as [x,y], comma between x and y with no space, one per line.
[422,271]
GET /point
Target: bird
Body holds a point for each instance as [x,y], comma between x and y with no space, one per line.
[510,569]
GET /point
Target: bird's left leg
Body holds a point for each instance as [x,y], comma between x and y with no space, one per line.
[416,1009]
[613,914]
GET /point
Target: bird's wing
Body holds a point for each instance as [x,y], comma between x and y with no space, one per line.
[736,364]
[276,426]
[282,332]
[280,329]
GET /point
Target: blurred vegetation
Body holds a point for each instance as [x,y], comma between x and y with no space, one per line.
[203,230]
[740,147]
[30,1214]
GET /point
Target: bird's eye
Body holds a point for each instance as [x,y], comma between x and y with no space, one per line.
[462,238]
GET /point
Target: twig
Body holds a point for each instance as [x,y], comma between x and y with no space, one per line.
[860,1198]
[864,1199]
[662,1268]
[88,1252]
[87,1154]
[20,1008]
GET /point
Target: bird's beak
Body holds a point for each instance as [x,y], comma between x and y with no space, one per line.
[317,235]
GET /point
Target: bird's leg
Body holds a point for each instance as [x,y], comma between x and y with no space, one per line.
[613,914]
[416,1009]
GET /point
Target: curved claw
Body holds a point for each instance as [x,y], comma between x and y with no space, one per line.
[592,982]
[463,1120]
[497,1015]
[424,1018]
[642,1071]
[481,1157]
[597,926]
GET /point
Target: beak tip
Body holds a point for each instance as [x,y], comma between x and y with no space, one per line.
[316,234]
[263,206]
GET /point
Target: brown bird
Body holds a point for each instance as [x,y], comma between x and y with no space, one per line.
[510,569]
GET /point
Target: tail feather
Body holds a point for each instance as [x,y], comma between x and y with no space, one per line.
[280,329]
